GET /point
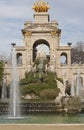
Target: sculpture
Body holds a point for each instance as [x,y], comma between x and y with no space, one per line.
[41,6]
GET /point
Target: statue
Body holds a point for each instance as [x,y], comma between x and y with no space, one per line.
[41,6]
[67,89]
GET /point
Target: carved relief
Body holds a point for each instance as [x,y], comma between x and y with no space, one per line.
[53,34]
[41,6]
[28,34]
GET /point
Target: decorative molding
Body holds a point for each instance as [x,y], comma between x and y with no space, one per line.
[28,34]
[41,6]
[53,34]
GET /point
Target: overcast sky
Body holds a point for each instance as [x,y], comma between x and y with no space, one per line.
[14,13]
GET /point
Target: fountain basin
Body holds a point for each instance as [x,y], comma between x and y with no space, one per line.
[15,118]
[46,119]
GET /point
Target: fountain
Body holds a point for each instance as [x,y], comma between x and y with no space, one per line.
[78,83]
[79,87]
[14,101]
[72,88]
[4,94]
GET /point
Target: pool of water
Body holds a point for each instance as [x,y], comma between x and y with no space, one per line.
[45,119]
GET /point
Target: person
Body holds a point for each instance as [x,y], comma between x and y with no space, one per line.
[67,89]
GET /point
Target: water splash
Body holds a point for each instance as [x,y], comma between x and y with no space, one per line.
[78,83]
[72,88]
[14,102]
[4,94]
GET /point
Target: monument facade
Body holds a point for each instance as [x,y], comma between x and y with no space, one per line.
[37,36]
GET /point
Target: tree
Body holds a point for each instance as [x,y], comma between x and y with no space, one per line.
[49,93]
[77,53]
[1,70]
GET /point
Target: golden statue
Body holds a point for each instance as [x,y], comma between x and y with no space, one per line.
[41,6]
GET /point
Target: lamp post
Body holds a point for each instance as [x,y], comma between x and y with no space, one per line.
[69,43]
[13,44]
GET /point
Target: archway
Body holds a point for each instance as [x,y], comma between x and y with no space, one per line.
[19,58]
[41,45]
[63,58]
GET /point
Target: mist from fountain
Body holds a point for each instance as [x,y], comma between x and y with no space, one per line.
[72,88]
[14,101]
[4,94]
[78,83]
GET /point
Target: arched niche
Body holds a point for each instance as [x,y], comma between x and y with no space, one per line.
[63,58]
[19,59]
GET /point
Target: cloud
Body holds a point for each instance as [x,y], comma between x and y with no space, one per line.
[70,11]
[14,11]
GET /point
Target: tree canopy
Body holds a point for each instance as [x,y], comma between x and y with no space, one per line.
[77,53]
[1,70]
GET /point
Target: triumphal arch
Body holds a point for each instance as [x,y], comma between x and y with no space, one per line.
[42,38]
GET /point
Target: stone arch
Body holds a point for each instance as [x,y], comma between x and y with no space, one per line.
[19,58]
[37,43]
[63,58]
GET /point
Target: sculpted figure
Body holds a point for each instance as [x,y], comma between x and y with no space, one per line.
[41,6]
[36,7]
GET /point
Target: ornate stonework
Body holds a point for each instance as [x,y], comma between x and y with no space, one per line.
[53,34]
[45,32]
[41,6]
[28,34]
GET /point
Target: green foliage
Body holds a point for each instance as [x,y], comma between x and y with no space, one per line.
[46,87]
[29,78]
[32,88]
[49,93]
[77,53]
[59,79]
[1,70]
[50,80]
[72,104]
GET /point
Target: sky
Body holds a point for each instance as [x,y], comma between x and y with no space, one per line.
[14,13]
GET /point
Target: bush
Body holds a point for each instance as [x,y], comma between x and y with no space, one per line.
[72,104]
[46,89]
[49,93]
[1,70]
[29,78]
